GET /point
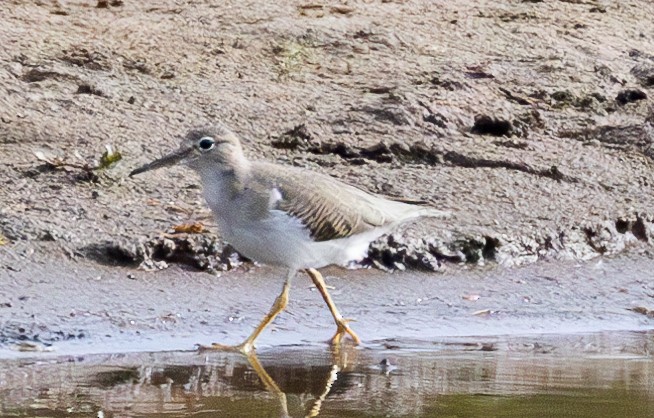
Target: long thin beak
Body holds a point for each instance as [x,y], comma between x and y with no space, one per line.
[166,161]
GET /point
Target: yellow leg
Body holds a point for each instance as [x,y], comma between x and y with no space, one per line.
[248,345]
[341,324]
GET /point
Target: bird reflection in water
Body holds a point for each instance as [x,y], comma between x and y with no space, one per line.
[319,381]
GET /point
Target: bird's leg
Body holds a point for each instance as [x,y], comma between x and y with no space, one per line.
[341,324]
[248,345]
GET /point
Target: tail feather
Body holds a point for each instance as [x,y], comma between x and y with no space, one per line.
[403,211]
[434,213]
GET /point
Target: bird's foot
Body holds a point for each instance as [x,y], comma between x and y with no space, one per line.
[342,328]
[244,348]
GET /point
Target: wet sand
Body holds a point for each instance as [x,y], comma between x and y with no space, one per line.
[80,308]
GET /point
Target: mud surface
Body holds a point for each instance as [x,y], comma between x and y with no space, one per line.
[82,308]
[531,121]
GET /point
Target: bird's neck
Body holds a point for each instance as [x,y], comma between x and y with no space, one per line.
[229,179]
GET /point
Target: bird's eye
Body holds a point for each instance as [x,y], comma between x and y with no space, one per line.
[206,143]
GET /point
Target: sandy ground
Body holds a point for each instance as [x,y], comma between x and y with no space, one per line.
[531,121]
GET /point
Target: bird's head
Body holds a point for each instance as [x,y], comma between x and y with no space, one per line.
[214,147]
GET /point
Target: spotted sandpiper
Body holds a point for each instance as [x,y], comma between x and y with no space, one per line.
[286,216]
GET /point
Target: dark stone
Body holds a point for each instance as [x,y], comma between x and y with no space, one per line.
[89,89]
[622,226]
[488,125]
[630,95]
[640,230]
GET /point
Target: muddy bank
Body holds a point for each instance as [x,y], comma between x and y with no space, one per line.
[77,307]
[530,121]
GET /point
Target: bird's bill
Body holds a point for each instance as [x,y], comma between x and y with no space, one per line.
[165,161]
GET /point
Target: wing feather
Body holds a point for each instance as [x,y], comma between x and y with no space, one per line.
[320,213]
[328,208]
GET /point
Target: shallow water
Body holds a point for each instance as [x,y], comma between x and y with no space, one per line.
[589,375]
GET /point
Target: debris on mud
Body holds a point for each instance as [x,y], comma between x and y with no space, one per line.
[643,311]
[418,152]
[190,228]
[82,171]
[206,252]
[55,162]
[552,172]
[109,157]
[37,335]
[203,252]
[395,253]
[584,242]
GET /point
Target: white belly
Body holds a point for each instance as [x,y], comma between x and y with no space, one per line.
[282,240]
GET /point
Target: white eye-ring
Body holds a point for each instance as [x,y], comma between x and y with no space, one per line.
[206,143]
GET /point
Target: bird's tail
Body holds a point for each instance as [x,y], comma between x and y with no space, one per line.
[434,213]
[404,212]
